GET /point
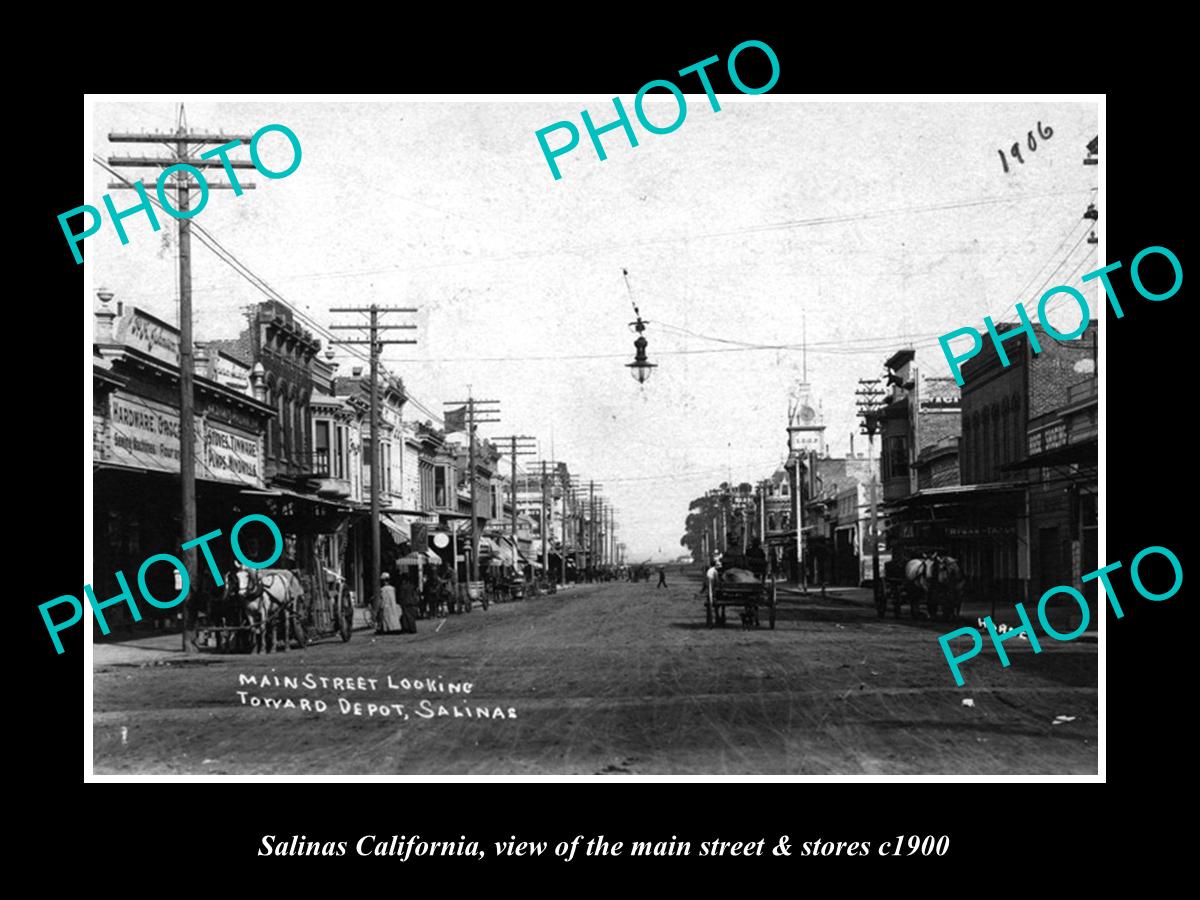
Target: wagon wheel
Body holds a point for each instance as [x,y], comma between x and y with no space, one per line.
[241,640]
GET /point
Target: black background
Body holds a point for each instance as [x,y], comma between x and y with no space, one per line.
[1003,833]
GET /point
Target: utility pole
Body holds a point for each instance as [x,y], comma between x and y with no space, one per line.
[612,536]
[545,526]
[745,519]
[799,520]
[562,557]
[605,535]
[178,143]
[868,394]
[591,530]
[373,327]
[519,445]
[762,525]
[478,412]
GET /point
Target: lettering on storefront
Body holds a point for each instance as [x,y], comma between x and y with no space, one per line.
[146,333]
[980,530]
[229,372]
[144,434]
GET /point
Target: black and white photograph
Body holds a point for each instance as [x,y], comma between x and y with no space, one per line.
[532,437]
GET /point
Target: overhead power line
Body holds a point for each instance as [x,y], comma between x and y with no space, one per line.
[521,256]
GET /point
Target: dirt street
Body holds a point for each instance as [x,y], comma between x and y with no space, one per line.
[608,679]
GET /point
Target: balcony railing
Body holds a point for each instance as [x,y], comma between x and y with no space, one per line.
[317,463]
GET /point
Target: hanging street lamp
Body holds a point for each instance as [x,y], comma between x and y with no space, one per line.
[641,368]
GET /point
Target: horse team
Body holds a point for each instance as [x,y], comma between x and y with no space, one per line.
[933,580]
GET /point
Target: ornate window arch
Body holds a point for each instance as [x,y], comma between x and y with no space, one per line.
[1005,448]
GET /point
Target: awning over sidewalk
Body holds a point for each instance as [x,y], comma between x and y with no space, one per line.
[428,558]
[399,529]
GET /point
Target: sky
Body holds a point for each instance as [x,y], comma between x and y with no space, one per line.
[857,228]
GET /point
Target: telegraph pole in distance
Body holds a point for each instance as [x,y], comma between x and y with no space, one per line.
[578,501]
[181,155]
[519,445]
[868,394]
[544,526]
[548,477]
[612,536]
[373,327]
[478,413]
[562,556]
[593,529]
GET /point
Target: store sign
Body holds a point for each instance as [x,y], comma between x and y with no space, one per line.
[420,537]
[146,333]
[145,435]
[229,372]
[980,530]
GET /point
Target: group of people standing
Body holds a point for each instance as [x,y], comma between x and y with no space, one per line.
[393,618]
[398,610]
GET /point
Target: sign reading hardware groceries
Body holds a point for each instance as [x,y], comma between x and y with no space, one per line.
[145,435]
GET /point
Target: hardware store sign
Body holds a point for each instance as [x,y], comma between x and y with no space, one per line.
[145,434]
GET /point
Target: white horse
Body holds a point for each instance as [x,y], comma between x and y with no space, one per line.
[281,592]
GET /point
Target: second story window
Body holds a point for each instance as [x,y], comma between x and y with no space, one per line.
[321,461]
[895,457]
[440,487]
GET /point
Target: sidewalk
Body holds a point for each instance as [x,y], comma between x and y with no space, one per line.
[971,615]
[153,650]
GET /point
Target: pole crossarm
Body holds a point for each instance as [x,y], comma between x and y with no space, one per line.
[188,137]
[167,161]
[193,185]
[382,309]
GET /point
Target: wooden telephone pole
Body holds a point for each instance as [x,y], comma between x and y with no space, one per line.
[182,144]
[518,445]
[479,412]
[869,394]
[373,327]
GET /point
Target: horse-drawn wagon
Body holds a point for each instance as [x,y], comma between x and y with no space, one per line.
[742,588]
[260,607]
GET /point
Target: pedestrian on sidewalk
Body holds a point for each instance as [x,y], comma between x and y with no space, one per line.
[408,606]
[662,577]
[387,616]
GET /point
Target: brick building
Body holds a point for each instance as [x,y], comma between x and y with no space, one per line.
[1059,459]
[1021,515]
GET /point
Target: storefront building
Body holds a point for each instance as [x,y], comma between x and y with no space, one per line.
[135,455]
